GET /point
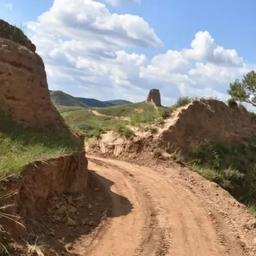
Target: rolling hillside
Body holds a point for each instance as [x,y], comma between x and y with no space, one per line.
[64,99]
[120,119]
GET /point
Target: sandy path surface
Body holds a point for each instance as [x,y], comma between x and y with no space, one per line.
[166,213]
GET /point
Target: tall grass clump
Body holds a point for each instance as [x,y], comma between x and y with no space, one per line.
[232,166]
[182,101]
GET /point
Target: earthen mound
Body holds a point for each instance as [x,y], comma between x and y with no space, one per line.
[15,34]
[25,98]
[207,121]
[24,91]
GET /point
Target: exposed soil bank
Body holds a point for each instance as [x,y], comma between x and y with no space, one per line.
[40,181]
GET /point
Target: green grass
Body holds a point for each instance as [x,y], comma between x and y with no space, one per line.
[232,166]
[117,119]
[252,209]
[139,113]
[20,146]
[182,101]
[92,126]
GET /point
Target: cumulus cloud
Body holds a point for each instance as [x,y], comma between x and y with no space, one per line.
[88,51]
[203,70]
[121,2]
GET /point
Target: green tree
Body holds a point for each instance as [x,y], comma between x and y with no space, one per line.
[244,90]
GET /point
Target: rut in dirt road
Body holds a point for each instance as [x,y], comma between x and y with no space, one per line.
[161,216]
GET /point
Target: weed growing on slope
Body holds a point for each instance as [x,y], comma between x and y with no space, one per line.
[20,146]
[232,166]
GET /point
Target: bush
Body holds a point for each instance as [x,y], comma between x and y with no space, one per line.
[182,101]
[165,114]
[125,132]
[232,166]
[232,103]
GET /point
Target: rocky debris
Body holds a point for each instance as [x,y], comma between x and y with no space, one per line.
[154,97]
[24,90]
[68,217]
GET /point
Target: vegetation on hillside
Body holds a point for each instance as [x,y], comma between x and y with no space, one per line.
[116,118]
[138,113]
[20,146]
[232,166]
[60,98]
[245,90]
[182,101]
[15,34]
[91,125]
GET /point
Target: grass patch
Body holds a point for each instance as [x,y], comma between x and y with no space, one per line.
[92,126]
[182,101]
[232,166]
[20,146]
[252,209]
[125,132]
[139,113]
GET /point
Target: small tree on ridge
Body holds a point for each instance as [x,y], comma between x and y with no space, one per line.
[245,90]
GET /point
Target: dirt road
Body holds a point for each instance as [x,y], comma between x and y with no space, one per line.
[159,211]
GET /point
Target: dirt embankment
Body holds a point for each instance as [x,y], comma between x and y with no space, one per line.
[24,91]
[189,127]
[24,96]
[208,121]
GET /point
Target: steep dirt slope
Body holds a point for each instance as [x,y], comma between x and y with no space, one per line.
[166,211]
[24,91]
[207,121]
[189,127]
[25,99]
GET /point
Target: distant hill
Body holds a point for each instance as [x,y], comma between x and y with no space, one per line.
[64,99]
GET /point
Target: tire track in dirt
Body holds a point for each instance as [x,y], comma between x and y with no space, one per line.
[166,218]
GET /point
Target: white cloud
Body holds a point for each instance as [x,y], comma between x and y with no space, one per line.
[204,69]
[85,49]
[121,2]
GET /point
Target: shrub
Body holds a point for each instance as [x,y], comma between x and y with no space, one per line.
[232,103]
[182,101]
[232,166]
[165,114]
[125,131]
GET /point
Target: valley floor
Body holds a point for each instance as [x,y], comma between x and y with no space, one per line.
[166,211]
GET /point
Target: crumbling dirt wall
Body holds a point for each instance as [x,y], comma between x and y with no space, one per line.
[23,86]
[43,179]
[208,121]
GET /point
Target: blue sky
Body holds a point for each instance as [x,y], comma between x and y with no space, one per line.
[152,46]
